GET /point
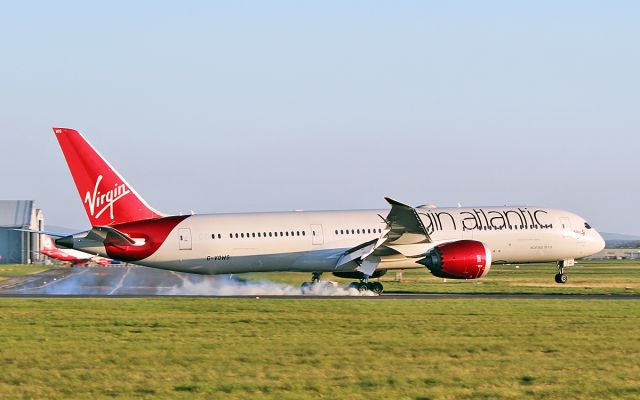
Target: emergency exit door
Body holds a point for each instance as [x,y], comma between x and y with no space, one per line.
[185,238]
[316,234]
[565,225]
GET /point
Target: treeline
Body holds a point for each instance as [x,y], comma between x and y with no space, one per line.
[623,244]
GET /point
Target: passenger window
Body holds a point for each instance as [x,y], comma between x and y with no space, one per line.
[213,236]
[287,233]
[236,235]
[298,233]
[242,235]
[303,233]
[253,234]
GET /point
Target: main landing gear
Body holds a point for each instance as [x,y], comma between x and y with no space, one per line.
[315,278]
[561,277]
[364,285]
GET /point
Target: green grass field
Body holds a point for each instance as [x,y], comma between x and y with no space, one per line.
[587,277]
[182,348]
[12,270]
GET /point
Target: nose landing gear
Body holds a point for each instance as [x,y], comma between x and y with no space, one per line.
[561,277]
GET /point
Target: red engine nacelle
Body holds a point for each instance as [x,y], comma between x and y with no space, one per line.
[464,259]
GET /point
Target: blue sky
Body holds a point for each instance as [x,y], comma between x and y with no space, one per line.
[238,106]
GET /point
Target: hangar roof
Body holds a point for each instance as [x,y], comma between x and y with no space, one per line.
[15,213]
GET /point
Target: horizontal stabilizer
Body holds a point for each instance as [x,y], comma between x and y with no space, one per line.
[55,234]
[110,236]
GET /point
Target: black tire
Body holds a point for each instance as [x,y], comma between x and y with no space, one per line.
[376,287]
[563,278]
[363,287]
[558,278]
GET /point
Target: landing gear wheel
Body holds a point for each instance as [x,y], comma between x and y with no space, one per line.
[563,278]
[376,287]
[362,287]
[306,285]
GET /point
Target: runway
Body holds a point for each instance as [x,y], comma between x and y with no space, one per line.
[140,282]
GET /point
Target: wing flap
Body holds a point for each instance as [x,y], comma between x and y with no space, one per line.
[404,227]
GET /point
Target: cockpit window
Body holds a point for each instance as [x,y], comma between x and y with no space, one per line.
[586,225]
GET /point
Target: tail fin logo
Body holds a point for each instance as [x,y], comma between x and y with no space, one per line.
[99,202]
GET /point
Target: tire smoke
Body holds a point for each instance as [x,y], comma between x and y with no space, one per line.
[229,285]
[143,281]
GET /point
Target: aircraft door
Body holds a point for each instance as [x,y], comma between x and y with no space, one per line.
[565,225]
[185,238]
[316,234]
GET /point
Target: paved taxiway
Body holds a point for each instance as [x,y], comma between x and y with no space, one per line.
[135,281]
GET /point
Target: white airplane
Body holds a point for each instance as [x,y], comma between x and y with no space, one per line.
[74,257]
[459,243]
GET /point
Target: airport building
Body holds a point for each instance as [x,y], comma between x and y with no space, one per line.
[616,254]
[20,247]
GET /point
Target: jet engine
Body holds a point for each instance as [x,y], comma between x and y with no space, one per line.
[462,259]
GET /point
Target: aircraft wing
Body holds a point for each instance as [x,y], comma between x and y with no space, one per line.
[404,226]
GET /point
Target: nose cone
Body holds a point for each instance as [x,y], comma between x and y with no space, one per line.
[597,242]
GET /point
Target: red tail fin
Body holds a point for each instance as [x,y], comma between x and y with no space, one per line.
[108,199]
[47,243]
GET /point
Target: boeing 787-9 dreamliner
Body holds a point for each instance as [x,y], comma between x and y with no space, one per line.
[459,243]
